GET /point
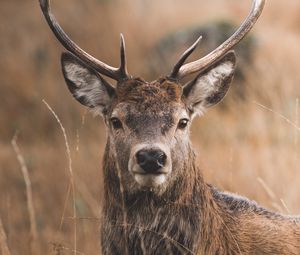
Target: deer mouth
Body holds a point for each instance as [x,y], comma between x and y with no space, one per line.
[150,180]
[149,174]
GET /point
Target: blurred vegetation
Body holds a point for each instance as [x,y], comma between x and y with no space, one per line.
[213,34]
[246,148]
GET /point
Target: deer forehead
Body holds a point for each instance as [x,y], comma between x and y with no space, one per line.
[150,115]
[157,98]
[151,123]
[160,92]
[151,105]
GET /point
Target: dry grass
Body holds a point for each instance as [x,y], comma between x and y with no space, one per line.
[30,207]
[252,147]
[3,241]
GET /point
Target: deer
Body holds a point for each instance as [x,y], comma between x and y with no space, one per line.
[156,200]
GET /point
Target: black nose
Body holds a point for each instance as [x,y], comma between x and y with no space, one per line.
[151,160]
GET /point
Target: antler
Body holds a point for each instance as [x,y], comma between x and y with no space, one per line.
[180,71]
[112,72]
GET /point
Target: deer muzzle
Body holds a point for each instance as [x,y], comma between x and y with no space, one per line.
[150,164]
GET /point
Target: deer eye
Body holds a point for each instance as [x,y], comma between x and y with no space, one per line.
[116,123]
[183,123]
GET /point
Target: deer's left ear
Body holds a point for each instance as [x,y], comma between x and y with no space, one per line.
[210,87]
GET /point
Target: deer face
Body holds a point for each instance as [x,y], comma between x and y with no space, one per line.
[148,123]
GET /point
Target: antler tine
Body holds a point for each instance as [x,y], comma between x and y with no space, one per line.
[112,72]
[123,67]
[183,58]
[206,61]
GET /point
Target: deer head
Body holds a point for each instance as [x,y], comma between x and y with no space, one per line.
[148,122]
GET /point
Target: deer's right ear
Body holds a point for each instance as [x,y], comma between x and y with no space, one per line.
[85,84]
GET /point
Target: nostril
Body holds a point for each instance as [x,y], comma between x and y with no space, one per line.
[141,157]
[161,157]
[151,160]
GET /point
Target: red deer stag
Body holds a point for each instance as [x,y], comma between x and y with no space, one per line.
[156,201]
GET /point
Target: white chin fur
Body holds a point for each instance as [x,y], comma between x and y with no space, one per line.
[150,180]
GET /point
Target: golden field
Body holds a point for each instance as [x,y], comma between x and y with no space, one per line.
[249,146]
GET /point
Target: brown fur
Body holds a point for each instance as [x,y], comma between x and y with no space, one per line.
[143,93]
[183,215]
[191,217]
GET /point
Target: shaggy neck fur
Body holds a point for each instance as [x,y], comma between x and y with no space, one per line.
[191,217]
[181,221]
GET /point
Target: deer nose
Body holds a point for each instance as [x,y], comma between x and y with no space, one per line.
[151,160]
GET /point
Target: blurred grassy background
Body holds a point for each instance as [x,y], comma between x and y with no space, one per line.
[242,146]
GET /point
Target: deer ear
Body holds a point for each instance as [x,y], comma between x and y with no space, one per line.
[210,87]
[85,84]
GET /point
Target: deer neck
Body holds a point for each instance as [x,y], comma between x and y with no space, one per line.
[186,212]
